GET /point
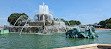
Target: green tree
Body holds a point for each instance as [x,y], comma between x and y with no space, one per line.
[13,17]
[73,22]
[62,20]
[106,23]
[78,22]
[102,23]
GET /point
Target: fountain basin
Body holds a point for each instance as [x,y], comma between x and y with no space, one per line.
[49,41]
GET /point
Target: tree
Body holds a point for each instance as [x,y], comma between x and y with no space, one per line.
[13,17]
[71,22]
[78,22]
[105,23]
[62,20]
[102,23]
[108,25]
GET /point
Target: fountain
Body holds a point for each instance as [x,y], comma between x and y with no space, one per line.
[47,19]
[43,22]
[24,25]
[21,17]
[77,33]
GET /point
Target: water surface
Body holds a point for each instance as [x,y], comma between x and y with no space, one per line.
[48,41]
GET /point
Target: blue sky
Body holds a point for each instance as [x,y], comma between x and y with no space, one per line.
[86,11]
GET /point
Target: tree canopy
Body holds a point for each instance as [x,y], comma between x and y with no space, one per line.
[71,22]
[13,17]
[105,23]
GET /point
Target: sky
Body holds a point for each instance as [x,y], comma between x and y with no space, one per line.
[86,11]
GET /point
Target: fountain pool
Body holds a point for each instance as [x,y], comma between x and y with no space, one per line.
[50,41]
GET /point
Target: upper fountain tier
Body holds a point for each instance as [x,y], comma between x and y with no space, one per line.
[43,9]
[44,13]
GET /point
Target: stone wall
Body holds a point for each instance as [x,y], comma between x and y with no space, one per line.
[35,29]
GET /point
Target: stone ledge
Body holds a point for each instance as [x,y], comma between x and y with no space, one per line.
[89,46]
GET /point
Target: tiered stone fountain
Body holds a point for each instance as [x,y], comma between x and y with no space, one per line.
[44,22]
